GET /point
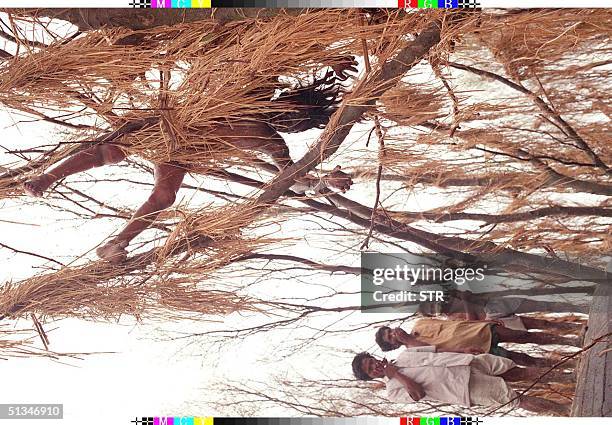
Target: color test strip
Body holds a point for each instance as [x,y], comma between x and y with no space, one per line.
[199,420]
[414,4]
[198,4]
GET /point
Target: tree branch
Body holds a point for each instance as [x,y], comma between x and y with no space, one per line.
[547,110]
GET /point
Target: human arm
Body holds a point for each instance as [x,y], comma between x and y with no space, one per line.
[407,339]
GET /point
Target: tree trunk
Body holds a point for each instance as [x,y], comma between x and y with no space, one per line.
[594,385]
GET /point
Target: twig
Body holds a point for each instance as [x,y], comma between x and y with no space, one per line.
[41,331]
[381,154]
[33,254]
[544,107]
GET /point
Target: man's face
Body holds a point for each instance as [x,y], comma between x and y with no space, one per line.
[374,368]
[390,337]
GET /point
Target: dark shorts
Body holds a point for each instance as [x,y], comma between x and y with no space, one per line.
[495,348]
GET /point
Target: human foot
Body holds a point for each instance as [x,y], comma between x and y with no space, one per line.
[37,186]
[113,251]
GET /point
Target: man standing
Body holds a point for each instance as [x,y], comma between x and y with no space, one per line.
[472,337]
[460,379]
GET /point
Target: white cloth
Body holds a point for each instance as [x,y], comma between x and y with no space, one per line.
[445,377]
[488,389]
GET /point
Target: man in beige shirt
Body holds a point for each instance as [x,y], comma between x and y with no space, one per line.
[472,337]
[420,373]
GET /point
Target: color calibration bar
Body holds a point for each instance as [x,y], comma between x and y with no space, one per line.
[415,4]
[191,420]
[370,420]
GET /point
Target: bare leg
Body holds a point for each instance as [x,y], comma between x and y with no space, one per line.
[168,180]
[542,338]
[523,359]
[255,136]
[261,137]
[96,156]
[529,306]
[533,373]
[541,406]
[531,323]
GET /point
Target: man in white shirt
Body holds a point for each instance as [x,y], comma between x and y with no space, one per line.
[419,373]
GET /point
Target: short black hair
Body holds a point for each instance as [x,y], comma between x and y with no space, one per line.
[358,370]
[384,345]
